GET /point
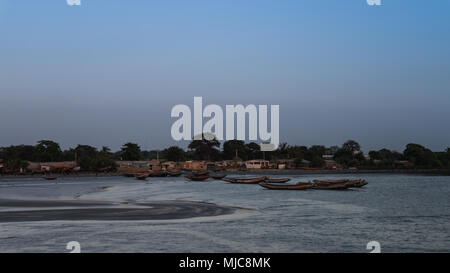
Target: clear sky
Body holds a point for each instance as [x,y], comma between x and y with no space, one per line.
[109,71]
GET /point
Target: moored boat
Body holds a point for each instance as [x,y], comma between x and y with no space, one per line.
[174,173]
[340,181]
[142,176]
[298,186]
[218,176]
[50,177]
[255,180]
[357,183]
[197,173]
[330,186]
[197,177]
[159,174]
[277,180]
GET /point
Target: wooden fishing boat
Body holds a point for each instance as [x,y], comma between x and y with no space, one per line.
[349,183]
[50,177]
[200,173]
[197,177]
[277,180]
[255,180]
[332,186]
[142,176]
[357,183]
[159,174]
[331,181]
[218,176]
[298,186]
[174,173]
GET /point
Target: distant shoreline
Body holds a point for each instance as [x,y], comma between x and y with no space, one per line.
[253,172]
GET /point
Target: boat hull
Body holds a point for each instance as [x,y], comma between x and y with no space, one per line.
[277,180]
[298,186]
[245,180]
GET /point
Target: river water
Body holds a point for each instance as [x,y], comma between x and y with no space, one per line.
[404,213]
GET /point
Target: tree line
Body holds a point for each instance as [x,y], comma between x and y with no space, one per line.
[348,155]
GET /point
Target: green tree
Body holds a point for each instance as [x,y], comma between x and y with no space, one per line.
[131,151]
[205,149]
[317,162]
[351,146]
[231,146]
[253,150]
[421,156]
[48,151]
[174,153]
[15,164]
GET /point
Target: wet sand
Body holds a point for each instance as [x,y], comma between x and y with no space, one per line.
[14,210]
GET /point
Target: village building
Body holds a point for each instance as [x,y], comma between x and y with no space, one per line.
[403,163]
[51,166]
[197,165]
[169,165]
[286,164]
[332,165]
[138,166]
[257,164]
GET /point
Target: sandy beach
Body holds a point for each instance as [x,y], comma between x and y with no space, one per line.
[73,210]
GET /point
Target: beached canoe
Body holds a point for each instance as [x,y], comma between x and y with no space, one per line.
[159,174]
[255,180]
[357,183]
[50,177]
[277,180]
[340,181]
[218,176]
[197,177]
[142,176]
[349,183]
[332,186]
[199,173]
[298,186]
[174,173]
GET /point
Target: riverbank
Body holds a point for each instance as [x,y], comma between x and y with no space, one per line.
[255,172]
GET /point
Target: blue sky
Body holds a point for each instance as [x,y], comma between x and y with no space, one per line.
[108,72]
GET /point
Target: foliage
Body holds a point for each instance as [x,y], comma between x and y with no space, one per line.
[174,153]
[205,149]
[48,151]
[130,151]
[421,156]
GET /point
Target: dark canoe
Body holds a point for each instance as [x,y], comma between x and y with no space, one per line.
[50,177]
[255,180]
[129,174]
[357,183]
[159,174]
[174,174]
[218,176]
[142,177]
[298,186]
[277,180]
[332,186]
[341,181]
[349,183]
[200,173]
[197,177]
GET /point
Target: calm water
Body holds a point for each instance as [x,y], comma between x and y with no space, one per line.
[405,213]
